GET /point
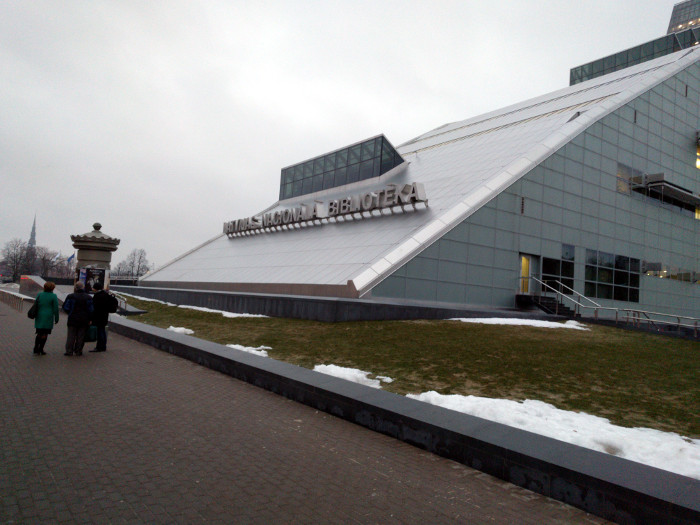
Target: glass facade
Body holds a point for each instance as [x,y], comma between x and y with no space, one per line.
[630,180]
[684,14]
[610,276]
[582,196]
[361,161]
[668,271]
[560,270]
[656,48]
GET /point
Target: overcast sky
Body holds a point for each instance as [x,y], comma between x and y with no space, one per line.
[163,119]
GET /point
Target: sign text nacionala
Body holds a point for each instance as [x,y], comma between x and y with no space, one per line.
[390,195]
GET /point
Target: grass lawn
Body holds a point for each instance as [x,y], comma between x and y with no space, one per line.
[633,379]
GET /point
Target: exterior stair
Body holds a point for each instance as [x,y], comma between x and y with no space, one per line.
[552,306]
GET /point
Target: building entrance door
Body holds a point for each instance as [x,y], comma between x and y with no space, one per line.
[529,267]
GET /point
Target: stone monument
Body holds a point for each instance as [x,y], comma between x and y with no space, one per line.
[94,255]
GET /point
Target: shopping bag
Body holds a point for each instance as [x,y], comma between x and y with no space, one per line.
[33,311]
[91,334]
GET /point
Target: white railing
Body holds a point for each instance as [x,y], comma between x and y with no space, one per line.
[14,300]
[631,316]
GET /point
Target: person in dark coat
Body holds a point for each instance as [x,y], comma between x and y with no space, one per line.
[79,307]
[46,316]
[104,303]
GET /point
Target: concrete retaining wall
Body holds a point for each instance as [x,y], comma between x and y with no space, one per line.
[326,309]
[604,485]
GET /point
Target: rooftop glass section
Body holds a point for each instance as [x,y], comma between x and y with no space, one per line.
[364,160]
[636,55]
[685,14]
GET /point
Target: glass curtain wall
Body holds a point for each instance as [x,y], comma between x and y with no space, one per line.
[365,160]
[656,48]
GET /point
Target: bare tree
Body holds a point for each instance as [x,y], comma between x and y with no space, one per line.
[120,269]
[14,255]
[46,260]
[64,268]
[135,265]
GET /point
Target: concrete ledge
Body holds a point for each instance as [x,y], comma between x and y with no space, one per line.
[327,309]
[610,487]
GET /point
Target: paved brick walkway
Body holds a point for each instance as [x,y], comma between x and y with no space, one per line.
[135,435]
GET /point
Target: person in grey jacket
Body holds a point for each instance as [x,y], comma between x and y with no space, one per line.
[79,307]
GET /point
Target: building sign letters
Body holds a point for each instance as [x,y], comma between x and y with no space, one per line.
[391,195]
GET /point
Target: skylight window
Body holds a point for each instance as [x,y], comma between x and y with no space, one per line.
[364,160]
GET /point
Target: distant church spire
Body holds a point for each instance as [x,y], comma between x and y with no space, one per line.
[32,236]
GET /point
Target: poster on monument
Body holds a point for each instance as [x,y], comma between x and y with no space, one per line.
[94,276]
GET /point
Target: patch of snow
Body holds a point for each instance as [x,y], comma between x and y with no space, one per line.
[664,450]
[523,322]
[222,312]
[199,308]
[257,350]
[180,330]
[352,374]
[147,299]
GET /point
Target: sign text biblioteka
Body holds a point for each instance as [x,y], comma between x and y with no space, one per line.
[390,195]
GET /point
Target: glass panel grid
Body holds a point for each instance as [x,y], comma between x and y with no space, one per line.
[368,159]
[656,48]
[556,271]
[611,276]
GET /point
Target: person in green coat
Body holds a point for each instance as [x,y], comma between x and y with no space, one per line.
[46,316]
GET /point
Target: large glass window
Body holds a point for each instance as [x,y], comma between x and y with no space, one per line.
[631,181]
[560,271]
[667,271]
[688,37]
[368,159]
[610,276]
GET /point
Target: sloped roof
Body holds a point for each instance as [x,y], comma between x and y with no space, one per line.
[462,165]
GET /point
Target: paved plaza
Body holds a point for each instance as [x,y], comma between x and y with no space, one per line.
[135,435]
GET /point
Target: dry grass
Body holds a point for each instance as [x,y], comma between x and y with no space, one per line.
[631,378]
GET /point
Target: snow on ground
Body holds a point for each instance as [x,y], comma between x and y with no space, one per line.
[198,308]
[664,450]
[180,330]
[222,312]
[148,299]
[352,374]
[259,350]
[523,322]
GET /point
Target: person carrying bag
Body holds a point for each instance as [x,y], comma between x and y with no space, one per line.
[79,307]
[44,311]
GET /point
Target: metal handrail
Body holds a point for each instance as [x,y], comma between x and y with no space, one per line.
[578,304]
[120,299]
[662,314]
[580,295]
[630,312]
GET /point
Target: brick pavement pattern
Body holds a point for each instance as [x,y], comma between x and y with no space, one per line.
[135,435]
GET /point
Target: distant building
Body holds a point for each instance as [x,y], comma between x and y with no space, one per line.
[32,236]
[593,188]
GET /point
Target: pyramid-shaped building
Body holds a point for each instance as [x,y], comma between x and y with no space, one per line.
[592,190]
